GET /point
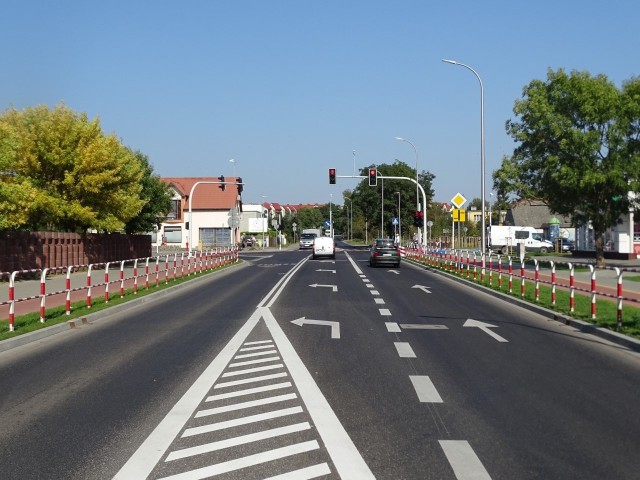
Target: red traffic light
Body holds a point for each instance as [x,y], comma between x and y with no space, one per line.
[332,176]
[373,177]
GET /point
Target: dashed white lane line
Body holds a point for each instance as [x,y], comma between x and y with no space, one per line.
[392,327]
[379,301]
[404,350]
[464,461]
[385,312]
[374,292]
[425,389]
[369,285]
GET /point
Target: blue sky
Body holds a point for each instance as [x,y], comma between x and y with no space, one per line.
[291,88]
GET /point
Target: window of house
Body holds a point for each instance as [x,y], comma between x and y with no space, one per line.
[173,234]
[176,210]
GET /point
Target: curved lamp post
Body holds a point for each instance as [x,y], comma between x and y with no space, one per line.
[420,236]
[482,162]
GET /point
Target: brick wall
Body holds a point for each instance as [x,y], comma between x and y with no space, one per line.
[33,250]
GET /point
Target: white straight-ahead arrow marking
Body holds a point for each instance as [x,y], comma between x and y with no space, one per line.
[334,287]
[485,328]
[335,326]
[423,288]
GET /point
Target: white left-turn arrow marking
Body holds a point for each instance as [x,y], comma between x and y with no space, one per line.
[485,328]
[423,288]
[335,326]
[334,287]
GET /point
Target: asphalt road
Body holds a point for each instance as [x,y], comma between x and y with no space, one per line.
[387,373]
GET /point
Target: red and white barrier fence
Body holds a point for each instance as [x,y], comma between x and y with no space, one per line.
[193,264]
[456,261]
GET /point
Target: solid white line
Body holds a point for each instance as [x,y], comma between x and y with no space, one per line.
[254,362]
[257,354]
[385,312]
[244,381]
[248,391]
[392,327]
[236,441]
[260,417]
[379,301]
[344,454]
[306,473]
[425,389]
[258,342]
[243,405]
[404,350]
[245,462]
[353,264]
[464,461]
[253,370]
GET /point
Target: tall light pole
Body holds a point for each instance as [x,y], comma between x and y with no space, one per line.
[350,218]
[490,209]
[417,193]
[482,163]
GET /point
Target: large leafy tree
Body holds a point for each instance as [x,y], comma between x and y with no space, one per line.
[157,197]
[69,176]
[578,148]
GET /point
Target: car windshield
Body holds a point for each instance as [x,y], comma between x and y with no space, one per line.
[307,236]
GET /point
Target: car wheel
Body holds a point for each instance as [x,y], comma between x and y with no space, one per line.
[543,250]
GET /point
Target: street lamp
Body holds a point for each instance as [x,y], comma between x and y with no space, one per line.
[482,162]
[233,161]
[417,192]
[350,218]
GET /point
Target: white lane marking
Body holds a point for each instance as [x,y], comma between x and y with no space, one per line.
[257,354]
[244,381]
[422,326]
[369,285]
[243,405]
[258,342]
[385,312]
[464,461]
[404,350]
[485,328]
[379,301]
[248,391]
[244,462]
[254,362]
[236,441]
[250,349]
[353,264]
[259,417]
[425,389]
[366,280]
[306,473]
[344,454]
[149,454]
[374,292]
[253,370]
[392,327]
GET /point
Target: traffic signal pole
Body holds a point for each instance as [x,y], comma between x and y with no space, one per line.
[422,234]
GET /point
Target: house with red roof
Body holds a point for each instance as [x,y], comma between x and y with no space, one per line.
[203,215]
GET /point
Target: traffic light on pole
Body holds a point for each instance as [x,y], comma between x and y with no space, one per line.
[332,176]
[240,185]
[222,185]
[373,177]
[418,218]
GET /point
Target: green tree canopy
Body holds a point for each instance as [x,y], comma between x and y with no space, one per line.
[578,148]
[64,174]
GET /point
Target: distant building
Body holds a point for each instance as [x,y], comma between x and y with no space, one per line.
[212,215]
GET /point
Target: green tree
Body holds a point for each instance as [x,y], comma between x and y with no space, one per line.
[72,177]
[578,149]
[368,205]
[157,197]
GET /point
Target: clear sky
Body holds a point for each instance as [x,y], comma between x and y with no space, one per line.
[290,88]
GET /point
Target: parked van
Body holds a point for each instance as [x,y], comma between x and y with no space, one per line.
[324,247]
[505,239]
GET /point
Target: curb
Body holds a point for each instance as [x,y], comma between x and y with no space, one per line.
[20,340]
[580,325]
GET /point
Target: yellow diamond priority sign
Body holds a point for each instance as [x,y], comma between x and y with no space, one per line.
[458,200]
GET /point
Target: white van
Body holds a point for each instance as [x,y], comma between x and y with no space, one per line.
[505,239]
[324,247]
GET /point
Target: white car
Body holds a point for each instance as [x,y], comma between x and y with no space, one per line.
[324,247]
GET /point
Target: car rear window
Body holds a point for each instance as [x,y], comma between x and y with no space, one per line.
[385,244]
[308,236]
